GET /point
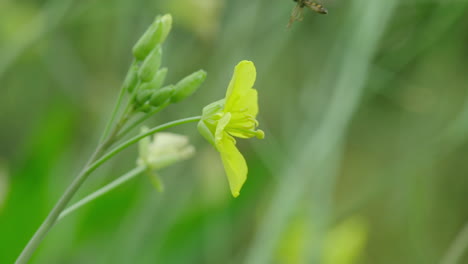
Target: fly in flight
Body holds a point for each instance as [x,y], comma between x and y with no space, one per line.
[297,11]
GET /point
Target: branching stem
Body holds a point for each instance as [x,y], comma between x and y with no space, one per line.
[93,163]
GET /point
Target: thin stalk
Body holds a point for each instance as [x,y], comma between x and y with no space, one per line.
[113,115]
[135,139]
[54,213]
[141,120]
[107,188]
[126,112]
[114,134]
[92,165]
[128,108]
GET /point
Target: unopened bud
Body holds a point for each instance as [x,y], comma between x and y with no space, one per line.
[146,107]
[150,65]
[161,96]
[131,79]
[154,35]
[141,97]
[166,26]
[187,86]
[156,82]
[159,78]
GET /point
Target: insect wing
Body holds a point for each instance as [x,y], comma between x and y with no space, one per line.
[296,15]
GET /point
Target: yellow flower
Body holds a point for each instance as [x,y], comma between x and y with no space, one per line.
[233,116]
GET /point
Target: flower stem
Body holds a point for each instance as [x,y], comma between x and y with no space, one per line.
[107,188]
[54,213]
[141,120]
[113,115]
[135,139]
[92,165]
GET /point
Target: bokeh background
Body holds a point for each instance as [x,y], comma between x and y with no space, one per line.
[365,111]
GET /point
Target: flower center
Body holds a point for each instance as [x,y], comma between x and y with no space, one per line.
[244,125]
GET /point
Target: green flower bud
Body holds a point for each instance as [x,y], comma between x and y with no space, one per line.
[187,86]
[159,78]
[131,79]
[166,25]
[150,65]
[161,96]
[141,97]
[157,81]
[154,35]
[146,108]
[147,42]
[145,86]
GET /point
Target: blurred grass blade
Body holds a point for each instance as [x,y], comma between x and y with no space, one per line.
[361,34]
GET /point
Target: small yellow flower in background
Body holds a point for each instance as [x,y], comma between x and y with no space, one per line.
[344,243]
[164,150]
[233,116]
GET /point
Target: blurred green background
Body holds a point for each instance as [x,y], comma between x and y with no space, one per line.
[365,111]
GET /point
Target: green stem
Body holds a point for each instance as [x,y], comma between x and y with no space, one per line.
[141,120]
[135,139]
[129,107]
[114,134]
[107,188]
[54,213]
[457,248]
[114,114]
[92,165]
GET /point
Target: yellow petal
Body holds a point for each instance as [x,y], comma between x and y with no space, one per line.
[251,102]
[239,95]
[222,123]
[234,164]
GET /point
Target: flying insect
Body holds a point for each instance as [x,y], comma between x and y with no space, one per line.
[296,14]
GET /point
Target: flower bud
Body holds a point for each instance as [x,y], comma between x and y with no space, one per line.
[159,78]
[161,96]
[131,80]
[150,65]
[187,86]
[156,82]
[166,26]
[154,35]
[146,107]
[141,97]
[147,42]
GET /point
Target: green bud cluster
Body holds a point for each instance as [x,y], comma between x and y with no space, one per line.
[145,79]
